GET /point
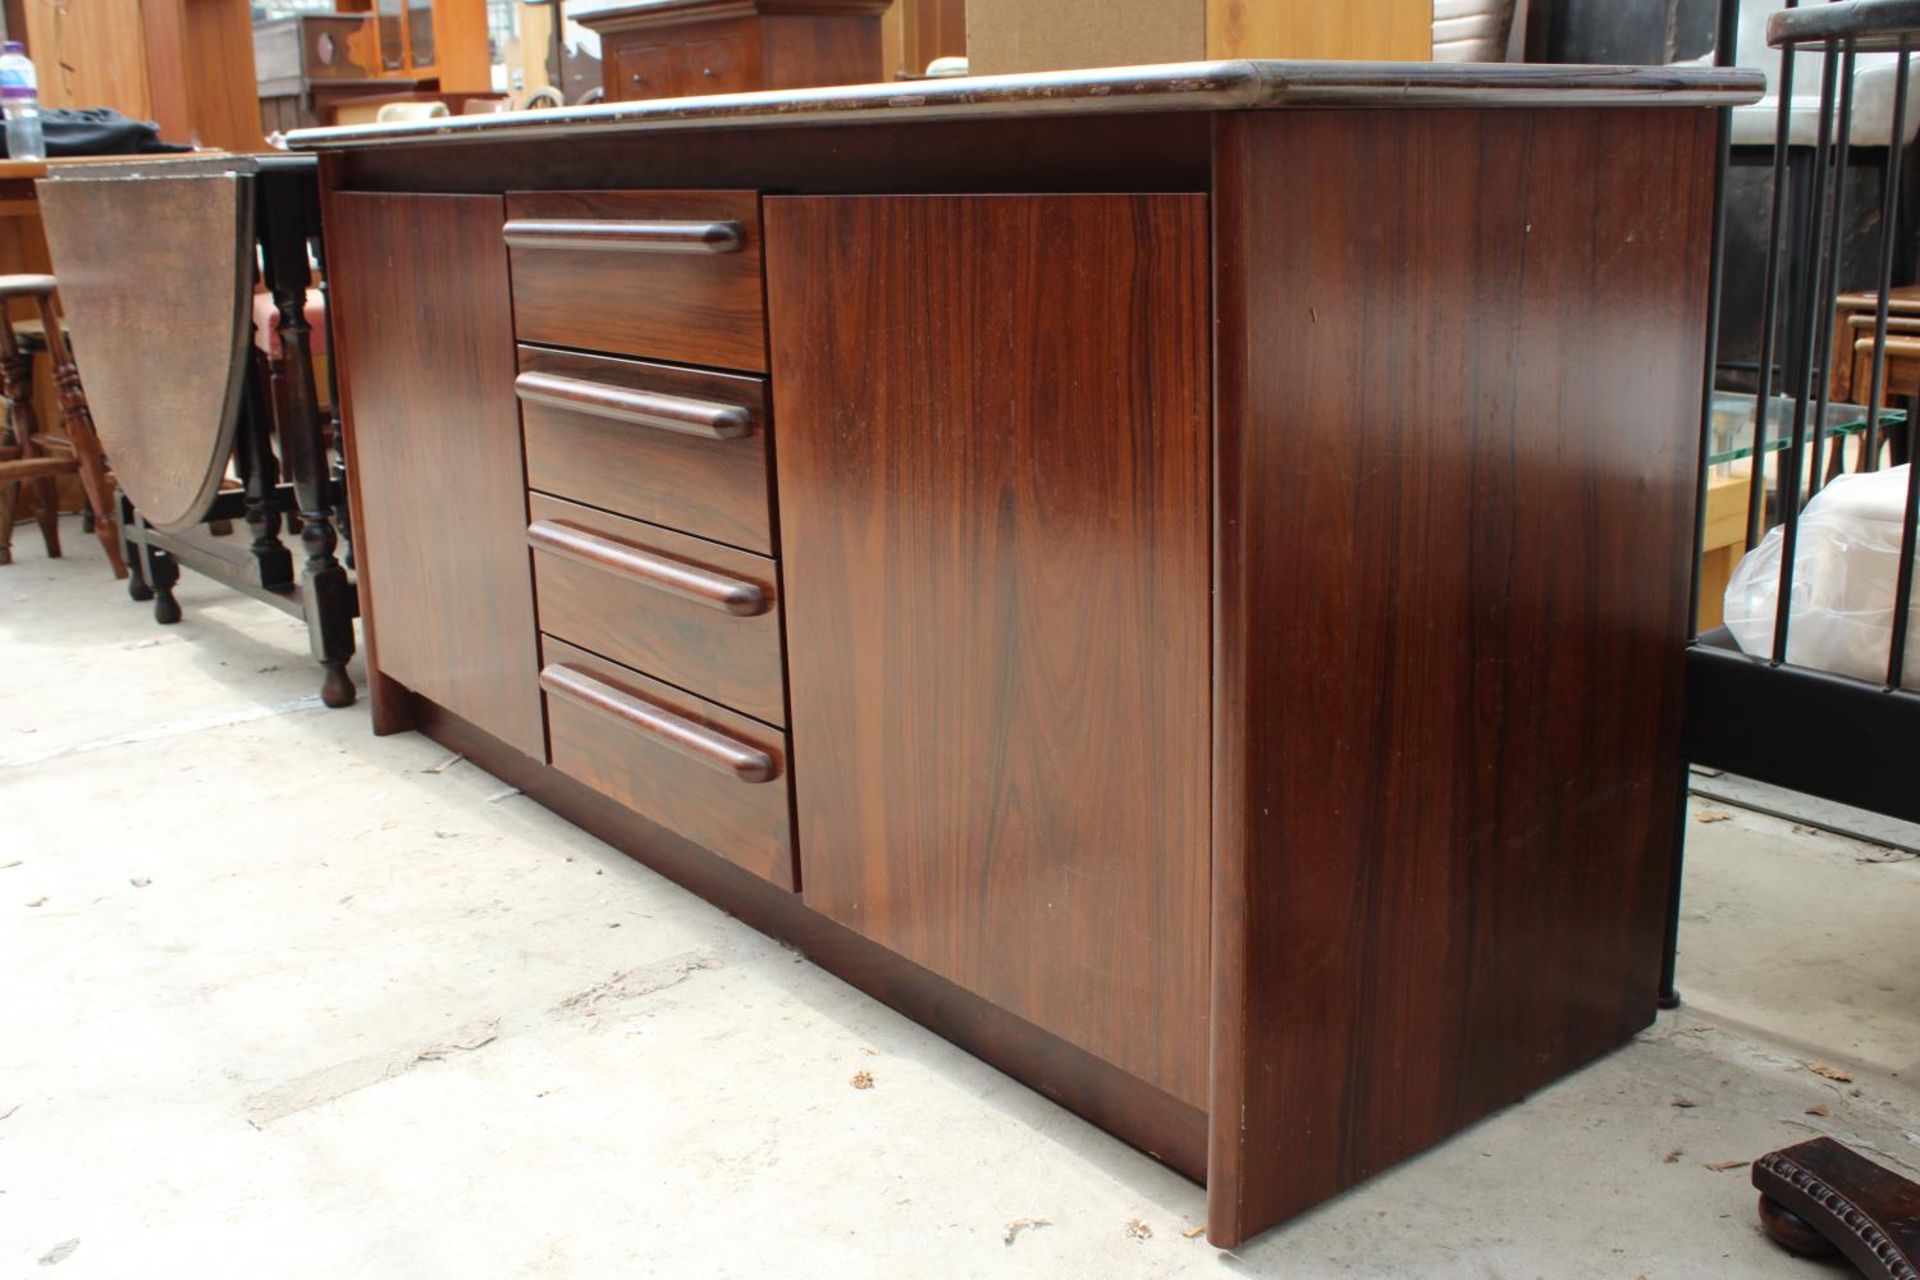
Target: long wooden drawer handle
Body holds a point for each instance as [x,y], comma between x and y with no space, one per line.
[624,237]
[687,416]
[675,577]
[694,741]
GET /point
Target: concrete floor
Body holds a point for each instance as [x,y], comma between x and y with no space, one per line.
[279,999]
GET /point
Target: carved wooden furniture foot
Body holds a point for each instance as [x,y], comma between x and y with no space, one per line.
[162,574]
[1821,1198]
[130,551]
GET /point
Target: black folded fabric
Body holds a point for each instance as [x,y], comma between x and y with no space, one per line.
[98,131]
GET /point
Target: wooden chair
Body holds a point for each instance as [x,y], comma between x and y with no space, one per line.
[32,457]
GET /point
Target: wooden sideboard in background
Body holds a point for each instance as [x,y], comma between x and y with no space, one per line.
[308,61]
[443,41]
[687,48]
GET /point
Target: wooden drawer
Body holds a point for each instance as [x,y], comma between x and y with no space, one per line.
[717,778]
[643,71]
[690,612]
[666,275]
[678,447]
[714,66]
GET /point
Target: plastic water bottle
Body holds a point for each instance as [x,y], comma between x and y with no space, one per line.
[20,98]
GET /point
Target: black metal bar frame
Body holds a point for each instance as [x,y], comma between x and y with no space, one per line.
[1844,739]
[1830,294]
[1726,34]
[1770,289]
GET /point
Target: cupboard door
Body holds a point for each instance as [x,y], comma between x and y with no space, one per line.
[425,327]
[994,513]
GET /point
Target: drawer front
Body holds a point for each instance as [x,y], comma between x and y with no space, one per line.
[690,612]
[717,778]
[642,71]
[664,275]
[715,66]
[683,448]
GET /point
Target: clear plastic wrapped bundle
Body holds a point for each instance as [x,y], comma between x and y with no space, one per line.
[1844,573]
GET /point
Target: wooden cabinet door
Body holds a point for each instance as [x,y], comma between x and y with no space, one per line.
[424,323]
[993,465]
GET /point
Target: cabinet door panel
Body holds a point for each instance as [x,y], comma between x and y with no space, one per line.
[425,324]
[994,486]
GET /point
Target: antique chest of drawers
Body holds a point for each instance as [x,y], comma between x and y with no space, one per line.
[680,48]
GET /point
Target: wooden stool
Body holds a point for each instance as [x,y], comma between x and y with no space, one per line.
[35,458]
[1901,378]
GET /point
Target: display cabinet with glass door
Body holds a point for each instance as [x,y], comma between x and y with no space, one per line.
[440,40]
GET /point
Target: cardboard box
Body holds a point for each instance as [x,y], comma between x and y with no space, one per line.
[1055,35]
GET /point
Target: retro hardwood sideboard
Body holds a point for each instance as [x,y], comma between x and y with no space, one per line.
[1173,577]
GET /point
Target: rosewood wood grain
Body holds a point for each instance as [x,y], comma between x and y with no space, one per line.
[1160,1125]
[1048,153]
[994,510]
[684,448]
[701,307]
[423,324]
[716,777]
[1458,387]
[690,612]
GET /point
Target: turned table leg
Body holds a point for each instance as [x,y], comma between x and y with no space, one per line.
[326,591]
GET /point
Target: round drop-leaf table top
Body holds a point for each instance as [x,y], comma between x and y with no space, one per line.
[156,277]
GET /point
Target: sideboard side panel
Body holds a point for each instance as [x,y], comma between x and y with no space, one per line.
[424,323]
[1458,363]
[993,463]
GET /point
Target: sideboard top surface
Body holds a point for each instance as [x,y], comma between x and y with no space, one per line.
[1172,87]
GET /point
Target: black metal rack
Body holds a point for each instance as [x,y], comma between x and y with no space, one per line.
[1841,738]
